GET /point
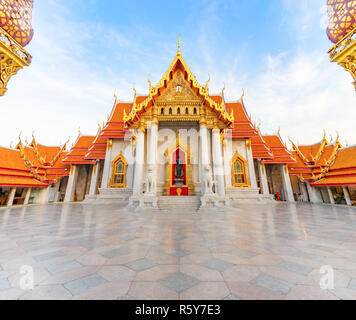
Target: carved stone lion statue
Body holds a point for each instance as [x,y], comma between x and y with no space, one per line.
[150,181]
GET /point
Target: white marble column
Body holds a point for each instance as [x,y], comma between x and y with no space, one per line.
[27,196]
[107,165]
[94,179]
[263,177]
[347,196]
[139,162]
[43,195]
[314,197]
[153,136]
[304,191]
[72,181]
[218,163]
[331,197]
[11,197]
[286,183]
[250,165]
[227,160]
[204,154]
[152,152]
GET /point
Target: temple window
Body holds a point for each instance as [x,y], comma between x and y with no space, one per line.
[162,111]
[195,110]
[178,111]
[170,111]
[239,172]
[119,168]
[186,111]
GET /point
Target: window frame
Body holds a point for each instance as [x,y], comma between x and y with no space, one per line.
[246,183]
[119,158]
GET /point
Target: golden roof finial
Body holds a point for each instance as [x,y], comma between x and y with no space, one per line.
[337,136]
[178,52]
[79,130]
[11,144]
[279,131]
[115,96]
[207,84]
[134,89]
[149,84]
[346,143]
[243,93]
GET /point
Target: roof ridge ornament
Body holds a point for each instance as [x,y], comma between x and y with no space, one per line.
[178,52]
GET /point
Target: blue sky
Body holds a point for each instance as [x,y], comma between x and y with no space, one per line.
[84,49]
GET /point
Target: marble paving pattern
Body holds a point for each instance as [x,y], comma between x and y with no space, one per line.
[80,251]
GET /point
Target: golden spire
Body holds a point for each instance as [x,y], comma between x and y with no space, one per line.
[178,53]
[79,130]
[149,84]
[243,93]
[207,84]
[115,96]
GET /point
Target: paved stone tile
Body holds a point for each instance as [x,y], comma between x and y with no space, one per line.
[243,253]
[143,290]
[322,248]
[217,264]
[179,282]
[295,267]
[179,237]
[180,252]
[206,291]
[157,273]
[4,284]
[48,256]
[241,273]
[50,292]
[125,297]
[301,292]
[63,267]
[115,253]
[140,265]
[151,243]
[352,284]
[84,284]
[273,284]
[116,273]
[201,273]
[232,297]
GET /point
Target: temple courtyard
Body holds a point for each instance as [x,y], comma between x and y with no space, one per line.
[81,251]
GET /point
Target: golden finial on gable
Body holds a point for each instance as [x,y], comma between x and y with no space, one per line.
[115,96]
[11,144]
[79,130]
[134,89]
[207,84]
[243,93]
[178,52]
[149,84]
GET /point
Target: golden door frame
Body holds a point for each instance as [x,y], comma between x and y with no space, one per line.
[168,155]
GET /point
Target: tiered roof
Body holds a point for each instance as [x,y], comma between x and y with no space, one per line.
[78,152]
[342,171]
[314,161]
[44,162]
[13,171]
[142,104]
[243,128]
[280,153]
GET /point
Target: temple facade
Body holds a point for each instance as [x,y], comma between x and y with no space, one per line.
[178,147]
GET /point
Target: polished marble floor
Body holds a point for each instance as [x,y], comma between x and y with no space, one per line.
[81,251]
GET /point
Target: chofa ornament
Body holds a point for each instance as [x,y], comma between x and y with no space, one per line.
[342,18]
[16,19]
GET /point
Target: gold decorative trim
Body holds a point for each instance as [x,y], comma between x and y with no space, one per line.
[247,184]
[13,57]
[112,184]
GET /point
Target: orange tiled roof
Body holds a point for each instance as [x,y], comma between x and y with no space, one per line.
[77,153]
[243,128]
[115,126]
[342,171]
[98,148]
[13,171]
[278,149]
